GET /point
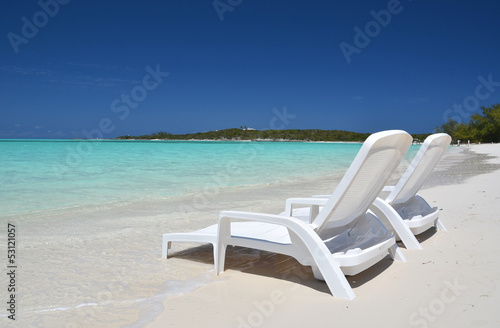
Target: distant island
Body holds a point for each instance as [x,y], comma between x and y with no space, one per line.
[478,127]
[245,133]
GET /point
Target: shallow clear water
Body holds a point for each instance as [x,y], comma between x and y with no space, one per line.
[38,175]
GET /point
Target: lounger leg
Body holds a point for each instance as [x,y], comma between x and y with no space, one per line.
[328,270]
[396,253]
[385,212]
[223,235]
[220,258]
[166,245]
[216,257]
[439,225]
[317,274]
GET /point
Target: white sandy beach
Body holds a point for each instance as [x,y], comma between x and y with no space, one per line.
[102,267]
[452,282]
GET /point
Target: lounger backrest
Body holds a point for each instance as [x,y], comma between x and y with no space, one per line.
[377,159]
[420,168]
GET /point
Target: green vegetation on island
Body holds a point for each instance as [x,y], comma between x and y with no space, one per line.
[483,127]
[244,133]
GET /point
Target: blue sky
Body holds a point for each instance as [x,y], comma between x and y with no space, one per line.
[79,68]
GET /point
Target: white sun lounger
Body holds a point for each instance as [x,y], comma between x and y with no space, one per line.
[404,211]
[343,239]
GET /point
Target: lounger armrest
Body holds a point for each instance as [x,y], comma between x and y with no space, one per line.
[225,217]
[253,216]
[314,203]
[321,196]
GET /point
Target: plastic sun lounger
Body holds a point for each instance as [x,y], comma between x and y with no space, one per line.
[404,211]
[344,238]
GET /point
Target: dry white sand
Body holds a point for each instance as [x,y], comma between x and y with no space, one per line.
[452,282]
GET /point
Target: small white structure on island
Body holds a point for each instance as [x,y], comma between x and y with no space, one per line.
[245,128]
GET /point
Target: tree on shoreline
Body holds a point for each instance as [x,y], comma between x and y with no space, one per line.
[483,127]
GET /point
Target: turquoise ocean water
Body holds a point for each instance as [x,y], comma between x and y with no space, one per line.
[40,175]
[89,216]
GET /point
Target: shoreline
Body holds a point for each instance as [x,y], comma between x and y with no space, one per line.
[182,140]
[448,265]
[103,266]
